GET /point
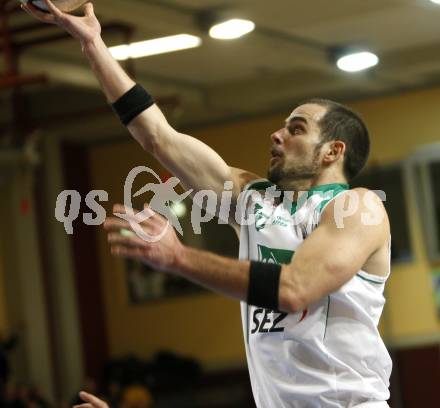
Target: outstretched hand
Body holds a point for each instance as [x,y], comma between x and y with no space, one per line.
[85,28]
[91,401]
[147,237]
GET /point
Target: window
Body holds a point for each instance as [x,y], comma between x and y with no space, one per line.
[390,179]
[423,175]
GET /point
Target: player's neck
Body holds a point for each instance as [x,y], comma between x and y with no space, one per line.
[328,179]
[299,185]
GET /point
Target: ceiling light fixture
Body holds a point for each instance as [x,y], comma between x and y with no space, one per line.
[154,47]
[357,61]
[435,1]
[231,29]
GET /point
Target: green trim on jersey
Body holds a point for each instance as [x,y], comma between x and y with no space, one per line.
[260,184]
[328,187]
[371,280]
[293,208]
[326,318]
[335,188]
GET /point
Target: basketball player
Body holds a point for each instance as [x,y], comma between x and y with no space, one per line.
[311,289]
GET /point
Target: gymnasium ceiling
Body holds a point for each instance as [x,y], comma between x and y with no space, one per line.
[286,59]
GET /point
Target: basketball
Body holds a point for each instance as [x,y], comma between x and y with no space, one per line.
[64,5]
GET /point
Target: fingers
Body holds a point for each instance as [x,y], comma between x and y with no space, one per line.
[138,217]
[134,253]
[119,208]
[53,9]
[94,402]
[128,228]
[38,14]
[122,235]
[127,221]
[124,240]
[116,224]
[156,216]
[148,226]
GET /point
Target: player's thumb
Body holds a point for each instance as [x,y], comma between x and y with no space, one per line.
[89,10]
[91,399]
[85,396]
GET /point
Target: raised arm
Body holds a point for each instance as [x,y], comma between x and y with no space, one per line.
[196,165]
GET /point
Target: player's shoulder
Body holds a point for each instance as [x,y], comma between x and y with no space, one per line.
[358,205]
[368,198]
[363,196]
[245,180]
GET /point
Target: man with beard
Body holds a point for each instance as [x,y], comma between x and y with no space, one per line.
[313,267]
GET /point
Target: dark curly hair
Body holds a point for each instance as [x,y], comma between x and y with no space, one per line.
[341,123]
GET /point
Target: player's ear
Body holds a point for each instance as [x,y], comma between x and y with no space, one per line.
[334,150]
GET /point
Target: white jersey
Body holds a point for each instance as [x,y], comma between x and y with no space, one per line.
[330,355]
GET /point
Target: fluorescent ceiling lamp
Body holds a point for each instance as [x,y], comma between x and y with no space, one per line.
[358,61]
[155,47]
[231,29]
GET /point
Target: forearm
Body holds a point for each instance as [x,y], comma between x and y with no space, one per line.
[150,127]
[193,162]
[231,277]
[113,79]
[223,275]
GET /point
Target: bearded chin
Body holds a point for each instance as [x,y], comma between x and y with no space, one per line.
[275,175]
[284,177]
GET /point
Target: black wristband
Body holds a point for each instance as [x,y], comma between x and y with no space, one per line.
[132,104]
[264,282]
